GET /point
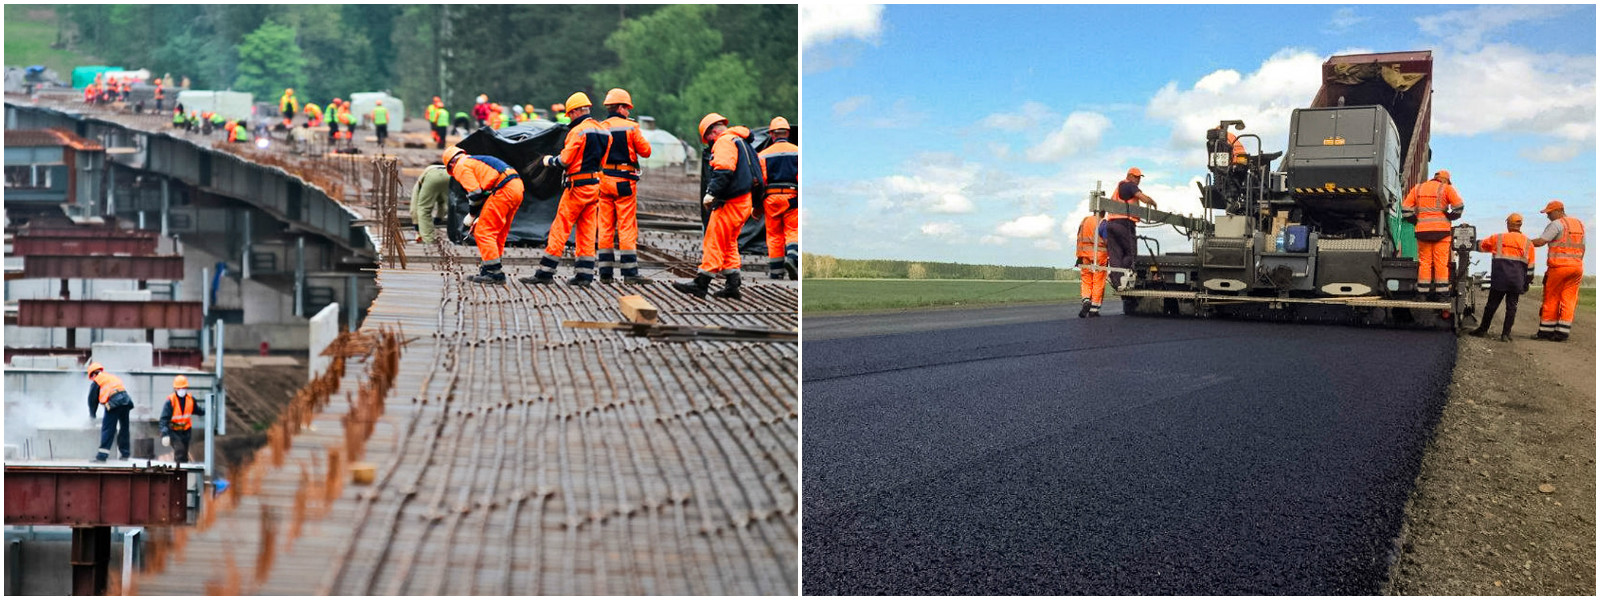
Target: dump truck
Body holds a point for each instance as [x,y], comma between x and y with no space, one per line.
[1320,237]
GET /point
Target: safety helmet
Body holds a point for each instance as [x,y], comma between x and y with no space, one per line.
[1135,172]
[289,91]
[380,103]
[1442,175]
[94,367]
[516,108]
[578,100]
[450,155]
[337,101]
[347,104]
[1553,206]
[778,123]
[482,98]
[1514,218]
[709,120]
[558,108]
[619,96]
[180,382]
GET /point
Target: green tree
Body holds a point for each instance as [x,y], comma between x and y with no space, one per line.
[269,61]
[660,55]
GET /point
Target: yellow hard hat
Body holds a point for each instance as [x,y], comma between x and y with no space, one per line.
[619,96]
[708,121]
[180,382]
[578,100]
[779,123]
[94,367]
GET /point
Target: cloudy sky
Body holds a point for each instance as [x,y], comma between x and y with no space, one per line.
[974,133]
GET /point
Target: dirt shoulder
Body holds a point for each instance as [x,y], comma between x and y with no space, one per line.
[1484,518]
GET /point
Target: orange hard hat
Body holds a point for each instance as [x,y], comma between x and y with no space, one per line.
[619,96]
[779,123]
[1135,172]
[380,103]
[1554,205]
[436,99]
[180,382]
[1442,174]
[578,100]
[557,107]
[158,81]
[450,154]
[707,121]
[336,101]
[288,90]
[347,103]
[94,367]
[1514,218]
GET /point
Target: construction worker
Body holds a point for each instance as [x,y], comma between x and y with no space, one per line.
[560,111]
[380,122]
[1431,206]
[177,419]
[429,199]
[495,191]
[1092,262]
[178,120]
[440,122]
[780,167]
[480,111]
[502,117]
[332,115]
[517,114]
[107,392]
[619,190]
[1562,274]
[1120,237]
[1509,274]
[241,132]
[461,121]
[734,174]
[581,158]
[313,115]
[288,105]
[347,123]
[161,95]
[528,110]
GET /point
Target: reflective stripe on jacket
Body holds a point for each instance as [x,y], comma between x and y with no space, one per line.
[1428,202]
[1567,250]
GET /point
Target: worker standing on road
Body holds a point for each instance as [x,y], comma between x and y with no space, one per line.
[1431,206]
[495,192]
[1509,274]
[161,95]
[1092,261]
[332,115]
[619,190]
[430,198]
[107,392]
[734,174]
[288,105]
[582,157]
[780,168]
[1562,274]
[380,122]
[1121,239]
[177,419]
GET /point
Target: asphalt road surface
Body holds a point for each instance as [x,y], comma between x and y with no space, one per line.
[1043,454]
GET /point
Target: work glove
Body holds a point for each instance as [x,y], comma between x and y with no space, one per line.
[707,200]
[552,161]
[466,223]
[1453,215]
[166,442]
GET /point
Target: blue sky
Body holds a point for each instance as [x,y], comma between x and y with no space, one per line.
[974,133]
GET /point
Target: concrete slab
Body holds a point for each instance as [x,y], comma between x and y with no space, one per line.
[124,356]
[126,295]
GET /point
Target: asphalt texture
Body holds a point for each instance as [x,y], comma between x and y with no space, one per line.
[1119,455]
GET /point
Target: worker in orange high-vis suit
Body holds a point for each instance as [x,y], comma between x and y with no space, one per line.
[313,114]
[1562,274]
[582,157]
[1120,237]
[1431,206]
[177,418]
[107,391]
[619,190]
[780,166]
[1509,274]
[494,191]
[347,122]
[1092,262]
[735,171]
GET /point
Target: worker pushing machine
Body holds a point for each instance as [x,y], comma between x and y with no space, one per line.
[1509,274]
[177,419]
[494,191]
[1120,236]
[619,190]
[582,157]
[1092,261]
[1431,206]
[106,391]
[1563,272]
[780,167]
[734,174]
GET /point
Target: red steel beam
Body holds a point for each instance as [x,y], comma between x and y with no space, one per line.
[164,357]
[144,268]
[109,314]
[30,245]
[99,496]
[96,232]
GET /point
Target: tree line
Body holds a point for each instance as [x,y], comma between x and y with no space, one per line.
[827,267]
[678,61]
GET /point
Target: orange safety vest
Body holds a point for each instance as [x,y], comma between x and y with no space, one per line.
[109,386]
[1511,245]
[1127,206]
[1428,203]
[1090,247]
[1567,250]
[181,411]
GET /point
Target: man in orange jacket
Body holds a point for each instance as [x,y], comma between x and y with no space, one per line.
[1509,274]
[1121,237]
[582,158]
[780,167]
[619,190]
[107,391]
[1562,274]
[495,192]
[1431,206]
[1092,261]
[735,171]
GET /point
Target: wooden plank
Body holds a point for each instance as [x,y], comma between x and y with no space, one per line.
[638,310]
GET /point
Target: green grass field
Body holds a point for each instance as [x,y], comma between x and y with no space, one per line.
[30,30]
[836,295]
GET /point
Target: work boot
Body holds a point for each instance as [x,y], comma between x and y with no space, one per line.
[731,290]
[579,281]
[1505,337]
[1083,313]
[538,278]
[793,270]
[1479,332]
[1559,336]
[607,279]
[489,274]
[1542,335]
[636,280]
[100,459]
[699,287]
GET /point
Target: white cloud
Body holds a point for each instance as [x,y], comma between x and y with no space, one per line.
[1263,99]
[939,184]
[993,240]
[821,23]
[1504,88]
[1031,115]
[944,230]
[1466,28]
[1050,245]
[1080,131]
[1344,19]
[1554,153]
[1028,226]
[849,105]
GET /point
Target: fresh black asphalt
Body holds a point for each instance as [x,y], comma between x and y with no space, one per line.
[1120,455]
